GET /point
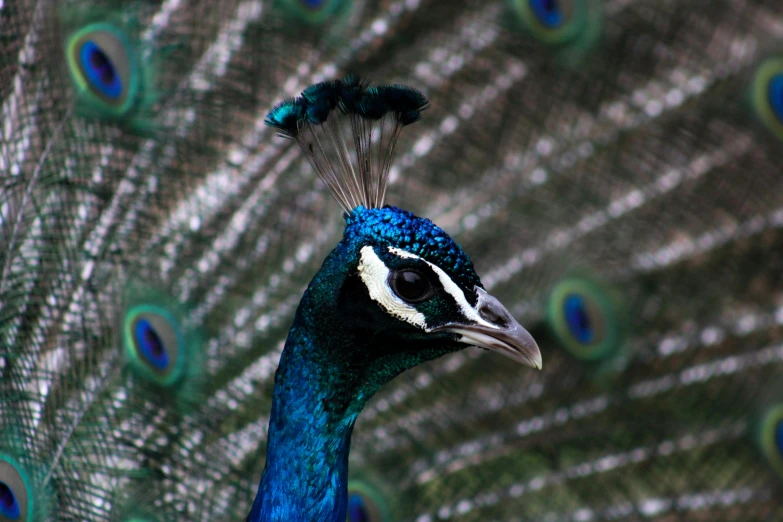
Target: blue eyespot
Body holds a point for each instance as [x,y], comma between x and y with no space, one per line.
[150,345]
[585,319]
[9,506]
[770,437]
[366,503]
[578,318]
[314,4]
[99,70]
[766,94]
[776,96]
[154,343]
[16,499]
[357,510]
[104,70]
[548,12]
[574,26]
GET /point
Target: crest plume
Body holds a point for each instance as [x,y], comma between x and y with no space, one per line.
[348,130]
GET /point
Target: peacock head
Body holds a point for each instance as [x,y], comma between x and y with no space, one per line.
[397,289]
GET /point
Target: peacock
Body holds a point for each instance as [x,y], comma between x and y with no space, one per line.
[612,168]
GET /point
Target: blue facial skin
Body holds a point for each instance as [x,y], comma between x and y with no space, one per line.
[340,350]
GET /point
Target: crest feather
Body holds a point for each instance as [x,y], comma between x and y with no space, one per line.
[348,130]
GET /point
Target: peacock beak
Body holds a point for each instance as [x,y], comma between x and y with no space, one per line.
[498,331]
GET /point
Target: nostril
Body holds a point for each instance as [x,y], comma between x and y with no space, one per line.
[493,315]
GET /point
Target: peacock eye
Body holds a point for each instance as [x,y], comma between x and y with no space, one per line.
[410,285]
[771,437]
[366,504]
[585,318]
[102,65]
[14,493]
[154,343]
[767,94]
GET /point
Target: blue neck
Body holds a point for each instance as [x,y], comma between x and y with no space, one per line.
[313,414]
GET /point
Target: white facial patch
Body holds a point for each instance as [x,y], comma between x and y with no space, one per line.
[375,276]
[451,288]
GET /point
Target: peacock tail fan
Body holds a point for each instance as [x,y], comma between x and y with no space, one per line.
[642,178]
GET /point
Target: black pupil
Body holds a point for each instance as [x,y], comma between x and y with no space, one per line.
[411,285]
[550,5]
[6,496]
[102,64]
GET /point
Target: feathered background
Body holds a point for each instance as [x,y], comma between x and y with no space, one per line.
[613,169]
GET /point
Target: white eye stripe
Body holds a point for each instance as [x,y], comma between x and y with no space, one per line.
[375,275]
[450,287]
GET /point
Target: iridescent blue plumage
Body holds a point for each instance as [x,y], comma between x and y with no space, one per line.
[333,363]
[395,292]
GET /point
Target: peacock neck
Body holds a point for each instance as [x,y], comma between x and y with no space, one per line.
[313,414]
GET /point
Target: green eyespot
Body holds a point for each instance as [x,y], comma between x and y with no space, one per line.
[154,343]
[770,437]
[573,23]
[585,319]
[104,68]
[20,498]
[111,67]
[15,492]
[767,95]
[160,349]
[365,503]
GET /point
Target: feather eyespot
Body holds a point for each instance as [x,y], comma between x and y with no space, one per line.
[365,504]
[15,497]
[358,510]
[410,285]
[154,343]
[767,95]
[771,438]
[575,24]
[103,67]
[584,319]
